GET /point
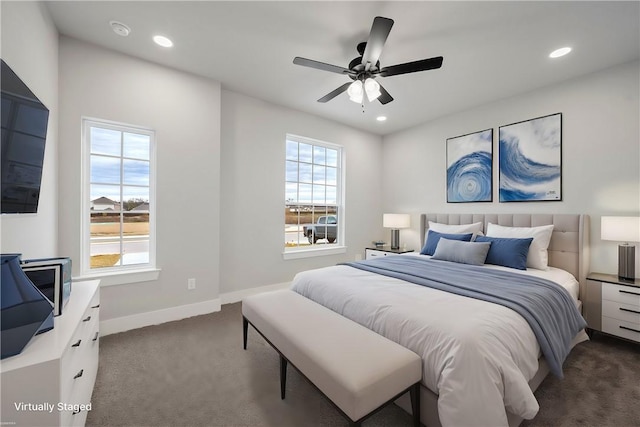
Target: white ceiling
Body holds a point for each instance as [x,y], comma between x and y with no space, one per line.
[492,50]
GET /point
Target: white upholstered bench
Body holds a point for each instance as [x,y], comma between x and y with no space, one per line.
[357,369]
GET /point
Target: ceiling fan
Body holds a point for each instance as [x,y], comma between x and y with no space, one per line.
[364,69]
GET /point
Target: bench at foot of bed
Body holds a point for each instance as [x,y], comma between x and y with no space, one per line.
[358,370]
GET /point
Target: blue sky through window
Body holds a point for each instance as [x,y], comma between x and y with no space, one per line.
[109,170]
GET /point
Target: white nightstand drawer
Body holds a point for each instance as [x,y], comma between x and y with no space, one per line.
[624,294]
[629,330]
[621,311]
[375,254]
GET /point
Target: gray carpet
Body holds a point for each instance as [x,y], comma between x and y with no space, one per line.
[194,373]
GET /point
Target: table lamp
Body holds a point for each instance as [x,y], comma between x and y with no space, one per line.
[623,229]
[395,222]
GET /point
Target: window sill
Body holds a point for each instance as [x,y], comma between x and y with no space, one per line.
[311,253]
[123,277]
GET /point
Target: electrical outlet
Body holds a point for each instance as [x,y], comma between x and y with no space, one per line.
[191,284]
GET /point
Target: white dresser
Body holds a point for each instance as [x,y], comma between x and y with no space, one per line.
[50,383]
[613,306]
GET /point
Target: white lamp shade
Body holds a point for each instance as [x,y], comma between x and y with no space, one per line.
[355,91]
[372,88]
[396,220]
[620,228]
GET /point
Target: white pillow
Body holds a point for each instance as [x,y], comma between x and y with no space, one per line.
[455,229]
[538,256]
[475,228]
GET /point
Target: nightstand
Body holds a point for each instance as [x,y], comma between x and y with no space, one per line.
[612,306]
[371,253]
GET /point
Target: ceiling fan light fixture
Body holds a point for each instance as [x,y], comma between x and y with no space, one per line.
[372,88]
[355,91]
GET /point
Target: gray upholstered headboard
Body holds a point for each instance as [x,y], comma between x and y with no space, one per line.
[569,246]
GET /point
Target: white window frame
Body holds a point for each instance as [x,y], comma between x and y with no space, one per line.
[319,250]
[123,274]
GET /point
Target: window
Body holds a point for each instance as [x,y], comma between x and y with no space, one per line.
[118,208]
[313,207]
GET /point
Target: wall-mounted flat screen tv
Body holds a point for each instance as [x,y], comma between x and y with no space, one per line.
[24,133]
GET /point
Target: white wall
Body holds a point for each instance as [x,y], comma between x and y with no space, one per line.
[253,170]
[600,155]
[184,111]
[30,48]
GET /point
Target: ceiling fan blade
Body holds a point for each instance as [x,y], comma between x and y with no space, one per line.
[334,93]
[320,65]
[384,98]
[377,37]
[412,67]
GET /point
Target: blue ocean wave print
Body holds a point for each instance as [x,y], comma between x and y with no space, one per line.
[522,178]
[469,178]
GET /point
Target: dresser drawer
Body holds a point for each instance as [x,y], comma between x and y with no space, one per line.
[621,311]
[625,294]
[621,328]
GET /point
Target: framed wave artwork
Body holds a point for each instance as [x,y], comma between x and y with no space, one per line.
[530,159]
[469,167]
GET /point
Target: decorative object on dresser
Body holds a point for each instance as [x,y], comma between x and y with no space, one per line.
[50,383]
[530,159]
[25,311]
[612,306]
[395,222]
[469,167]
[370,253]
[52,276]
[623,229]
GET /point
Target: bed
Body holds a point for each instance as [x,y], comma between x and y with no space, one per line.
[481,361]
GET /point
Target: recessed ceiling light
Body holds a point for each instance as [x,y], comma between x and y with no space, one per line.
[162,41]
[119,28]
[560,52]
[381,118]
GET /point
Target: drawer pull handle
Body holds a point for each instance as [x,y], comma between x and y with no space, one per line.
[629,329]
[629,310]
[627,292]
[76,412]
[76,344]
[79,374]
[96,306]
[96,337]
[87,319]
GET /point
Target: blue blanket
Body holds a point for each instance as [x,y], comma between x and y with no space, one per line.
[545,305]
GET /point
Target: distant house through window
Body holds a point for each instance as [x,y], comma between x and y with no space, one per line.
[313,207]
[119,197]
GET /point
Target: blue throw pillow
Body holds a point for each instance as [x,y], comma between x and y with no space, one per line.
[506,252]
[433,237]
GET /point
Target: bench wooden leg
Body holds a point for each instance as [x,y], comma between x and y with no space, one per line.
[245,328]
[283,376]
[414,393]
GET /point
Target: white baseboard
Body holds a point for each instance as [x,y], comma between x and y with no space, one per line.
[231,297]
[135,321]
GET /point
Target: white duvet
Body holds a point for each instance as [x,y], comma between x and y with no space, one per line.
[477,356]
